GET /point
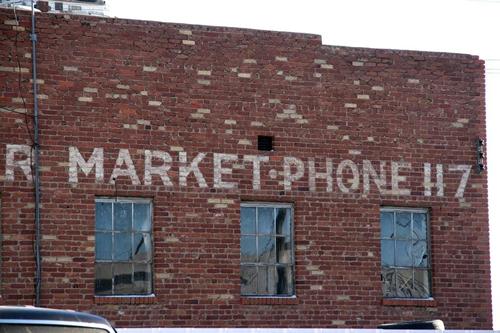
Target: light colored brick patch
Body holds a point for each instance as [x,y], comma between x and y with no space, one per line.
[356,82]
[185,32]
[377,88]
[214,201]
[332,127]
[154,103]
[205,111]
[346,138]
[70,68]
[204,72]
[249,61]
[172,239]
[197,115]
[316,287]
[354,152]
[363,96]
[319,61]
[338,322]
[27,55]
[230,122]
[188,42]
[85,99]
[149,68]
[256,124]
[164,276]
[245,75]
[350,105]
[122,86]
[43,96]
[244,142]
[39,81]
[143,122]
[326,66]
[17,100]
[18,28]
[14,69]
[463,120]
[370,139]
[59,259]
[290,78]
[10,22]
[278,58]
[457,125]
[221,297]
[116,96]
[204,82]
[90,90]
[130,126]
[274,101]
[176,148]
[358,63]
[143,93]
[317,75]
[279,73]
[413,81]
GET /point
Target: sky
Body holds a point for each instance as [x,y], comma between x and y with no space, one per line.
[460,26]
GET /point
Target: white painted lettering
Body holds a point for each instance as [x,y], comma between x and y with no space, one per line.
[355,176]
[219,170]
[76,161]
[289,177]
[256,160]
[378,179]
[313,175]
[184,170]
[463,181]
[12,163]
[397,178]
[124,159]
[161,170]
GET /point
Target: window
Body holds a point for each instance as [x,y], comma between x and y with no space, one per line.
[405,253]
[123,247]
[59,6]
[267,264]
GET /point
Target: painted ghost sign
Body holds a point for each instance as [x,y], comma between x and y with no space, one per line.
[347,176]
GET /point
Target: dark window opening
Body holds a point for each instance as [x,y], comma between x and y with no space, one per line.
[265,143]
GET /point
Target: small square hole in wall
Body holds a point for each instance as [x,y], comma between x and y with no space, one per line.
[265,143]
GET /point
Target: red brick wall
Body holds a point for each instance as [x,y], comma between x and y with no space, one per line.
[219,88]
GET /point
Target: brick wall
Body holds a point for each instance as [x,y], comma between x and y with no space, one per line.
[135,85]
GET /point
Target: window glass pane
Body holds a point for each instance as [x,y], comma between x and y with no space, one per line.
[265,221]
[283,221]
[403,225]
[283,250]
[122,246]
[142,217]
[387,222]
[248,278]
[122,278]
[420,254]
[387,253]
[389,282]
[420,226]
[103,246]
[103,278]
[404,253]
[284,284]
[123,216]
[266,249]
[267,278]
[404,283]
[247,220]
[142,279]
[248,246]
[103,218]
[142,247]
[421,285]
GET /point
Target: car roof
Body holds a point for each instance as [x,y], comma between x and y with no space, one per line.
[9,313]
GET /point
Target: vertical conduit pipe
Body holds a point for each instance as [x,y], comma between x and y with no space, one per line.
[38,267]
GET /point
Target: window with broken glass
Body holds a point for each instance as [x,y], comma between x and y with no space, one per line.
[405,253]
[267,264]
[123,247]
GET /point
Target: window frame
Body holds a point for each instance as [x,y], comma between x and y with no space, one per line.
[274,205]
[131,200]
[428,267]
